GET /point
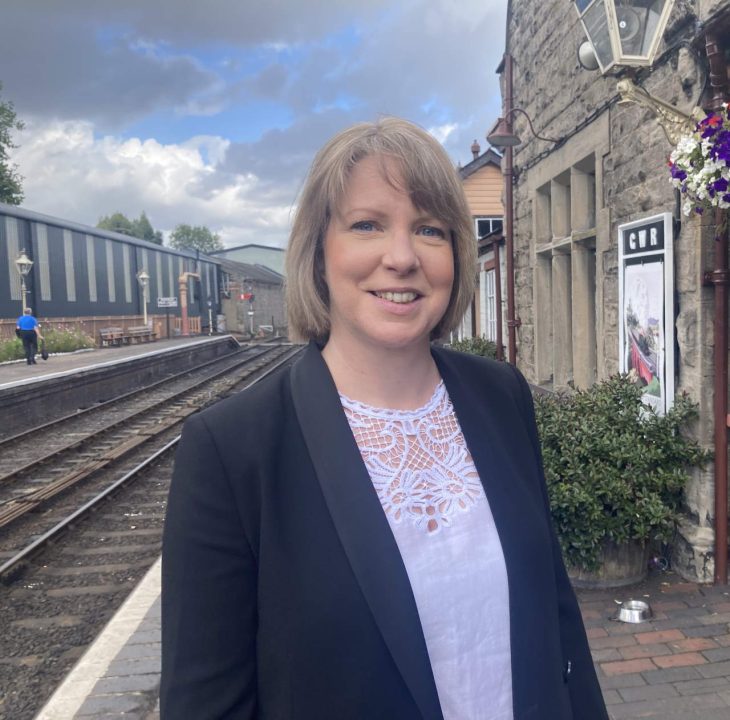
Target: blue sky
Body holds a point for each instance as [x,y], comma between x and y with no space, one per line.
[210,113]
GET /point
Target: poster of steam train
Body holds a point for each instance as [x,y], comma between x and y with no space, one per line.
[643,325]
[646,312]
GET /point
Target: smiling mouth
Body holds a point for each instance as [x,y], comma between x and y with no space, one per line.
[397,297]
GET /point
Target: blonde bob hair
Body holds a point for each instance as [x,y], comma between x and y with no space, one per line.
[434,186]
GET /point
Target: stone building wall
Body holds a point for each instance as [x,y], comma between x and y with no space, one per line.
[610,168]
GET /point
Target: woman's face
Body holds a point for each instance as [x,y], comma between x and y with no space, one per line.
[389,267]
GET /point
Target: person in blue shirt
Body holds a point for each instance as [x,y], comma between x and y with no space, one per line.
[29,332]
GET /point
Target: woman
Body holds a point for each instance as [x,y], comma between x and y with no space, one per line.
[367,535]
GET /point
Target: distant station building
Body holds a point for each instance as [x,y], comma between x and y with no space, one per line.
[87,278]
[482,182]
[252,298]
[253,254]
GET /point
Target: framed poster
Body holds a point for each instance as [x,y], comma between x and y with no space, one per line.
[646,307]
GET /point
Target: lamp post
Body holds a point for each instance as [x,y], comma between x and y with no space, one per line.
[143,279]
[502,135]
[23,264]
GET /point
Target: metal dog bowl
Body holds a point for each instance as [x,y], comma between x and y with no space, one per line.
[634,611]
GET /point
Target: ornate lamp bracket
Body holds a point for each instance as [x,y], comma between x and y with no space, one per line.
[674,123]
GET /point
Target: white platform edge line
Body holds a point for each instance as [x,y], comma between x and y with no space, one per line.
[69,696]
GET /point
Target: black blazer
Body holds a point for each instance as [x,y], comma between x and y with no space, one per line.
[284,595]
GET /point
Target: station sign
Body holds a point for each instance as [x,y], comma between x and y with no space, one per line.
[646,306]
[166,302]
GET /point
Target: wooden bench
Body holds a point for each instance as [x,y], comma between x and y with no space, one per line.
[111,336]
[140,334]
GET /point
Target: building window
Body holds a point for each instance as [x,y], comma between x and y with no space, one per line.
[127,274]
[158,273]
[44,267]
[13,247]
[68,257]
[485,225]
[91,267]
[111,287]
[565,277]
[171,276]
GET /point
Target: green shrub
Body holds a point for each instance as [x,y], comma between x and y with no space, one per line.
[614,468]
[57,341]
[60,341]
[476,346]
[11,350]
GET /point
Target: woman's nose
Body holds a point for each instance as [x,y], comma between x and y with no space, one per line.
[401,254]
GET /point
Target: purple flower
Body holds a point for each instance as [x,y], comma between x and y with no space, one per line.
[699,210]
[720,185]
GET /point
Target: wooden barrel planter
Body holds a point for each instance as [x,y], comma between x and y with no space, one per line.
[625,564]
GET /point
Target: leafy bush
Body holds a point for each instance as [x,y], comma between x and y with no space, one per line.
[57,341]
[60,341]
[614,468]
[11,350]
[476,346]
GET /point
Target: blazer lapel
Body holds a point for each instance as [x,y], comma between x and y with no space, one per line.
[362,526]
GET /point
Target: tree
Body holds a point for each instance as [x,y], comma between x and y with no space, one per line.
[143,229]
[117,222]
[199,237]
[140,228]
[11,188]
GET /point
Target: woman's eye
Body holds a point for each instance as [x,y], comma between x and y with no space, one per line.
[432,231]
[364,226]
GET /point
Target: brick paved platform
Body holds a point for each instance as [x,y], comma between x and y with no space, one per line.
[674,667]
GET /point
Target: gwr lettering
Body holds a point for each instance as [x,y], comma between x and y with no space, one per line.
[653,239]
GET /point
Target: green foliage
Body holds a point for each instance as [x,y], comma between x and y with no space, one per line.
[11,188]
[11,350]
[614,468]
[57,341]
[476,346]
[66,340]
[198,237]
[140,228]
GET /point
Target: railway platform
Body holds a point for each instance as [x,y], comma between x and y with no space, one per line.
[674,667]
[18,373]
[33,394]
[677,665]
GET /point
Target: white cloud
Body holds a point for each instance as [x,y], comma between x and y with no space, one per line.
[442,132]
[73,175]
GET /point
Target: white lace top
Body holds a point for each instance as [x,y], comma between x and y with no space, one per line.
[434,501]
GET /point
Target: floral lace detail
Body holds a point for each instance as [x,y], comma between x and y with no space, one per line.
[417,459]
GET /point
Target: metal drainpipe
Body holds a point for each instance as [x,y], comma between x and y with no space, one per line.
[719,276]
[512,322]
[498,298]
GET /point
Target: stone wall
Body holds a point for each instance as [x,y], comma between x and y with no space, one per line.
[629,156]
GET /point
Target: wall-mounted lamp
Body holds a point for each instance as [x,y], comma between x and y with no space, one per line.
[503,134]
[627,33]
[624,32]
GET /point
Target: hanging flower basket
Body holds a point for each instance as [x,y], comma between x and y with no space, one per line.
[700,164]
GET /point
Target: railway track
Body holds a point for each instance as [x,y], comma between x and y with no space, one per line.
[68,565]
[76,447]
